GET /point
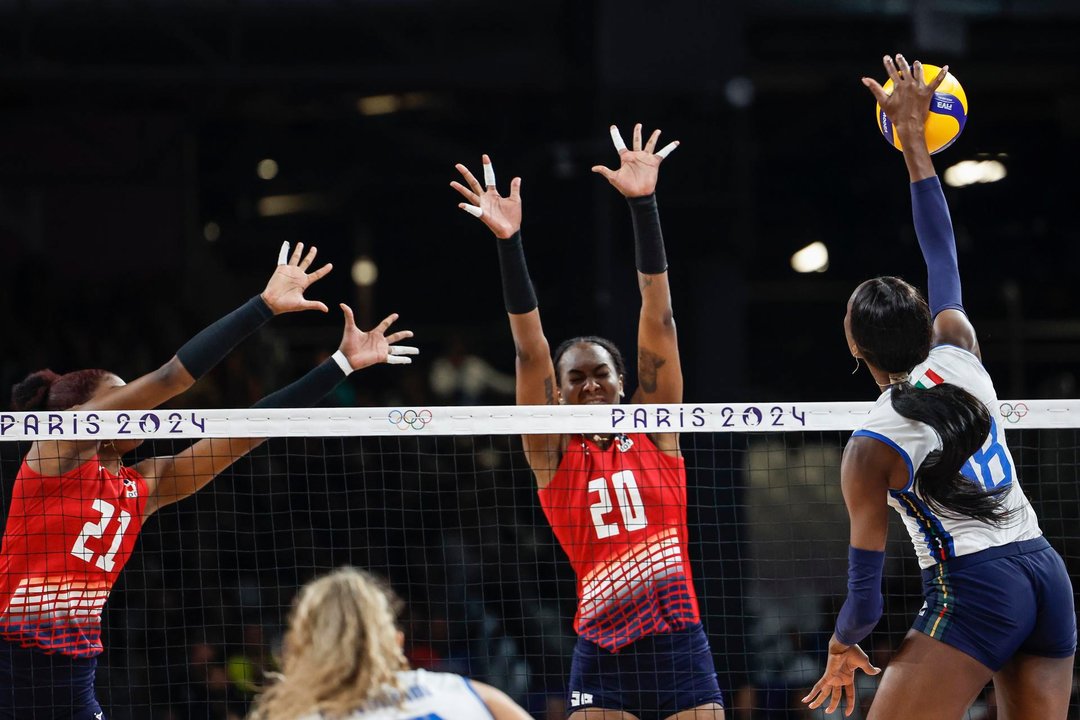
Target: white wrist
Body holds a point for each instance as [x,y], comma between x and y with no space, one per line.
[342,362]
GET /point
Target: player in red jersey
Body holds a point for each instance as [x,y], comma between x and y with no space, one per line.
[617,503]
[76,509]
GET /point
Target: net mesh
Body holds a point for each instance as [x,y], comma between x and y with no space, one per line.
[442,503]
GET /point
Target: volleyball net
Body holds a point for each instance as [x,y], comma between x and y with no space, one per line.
[441,502]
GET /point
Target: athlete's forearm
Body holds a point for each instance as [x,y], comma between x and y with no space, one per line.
[308,390]
[202,352]
[863,606]
[650,257]
[916,155]
[933,226]
[519,296]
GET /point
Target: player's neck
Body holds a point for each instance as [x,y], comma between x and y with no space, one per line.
[601,441]
[110,459]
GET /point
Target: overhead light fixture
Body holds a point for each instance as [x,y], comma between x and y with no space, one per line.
[386,104]
[211,231]
[274,205]
[267,169]
[812,258]
[973,172]
[365,272]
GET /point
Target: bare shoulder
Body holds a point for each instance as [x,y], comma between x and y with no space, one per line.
[52,458]
[868,462]
[952,327]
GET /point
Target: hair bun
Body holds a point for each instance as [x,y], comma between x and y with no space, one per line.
[33,392]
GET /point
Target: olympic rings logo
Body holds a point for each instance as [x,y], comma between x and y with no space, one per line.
[405,419]
[1013,413]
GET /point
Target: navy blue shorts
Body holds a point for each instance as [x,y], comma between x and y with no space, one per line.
[995,603]
[651,678]
[36,686]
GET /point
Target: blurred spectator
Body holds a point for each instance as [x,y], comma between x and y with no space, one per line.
[460,378]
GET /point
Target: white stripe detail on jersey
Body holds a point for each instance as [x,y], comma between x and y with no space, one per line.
[655,558]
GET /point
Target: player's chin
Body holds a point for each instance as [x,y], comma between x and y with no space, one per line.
[125,446]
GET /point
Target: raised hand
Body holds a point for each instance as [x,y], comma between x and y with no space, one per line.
[909,103]
[638,168]
[502,215]
[285,290]
[839,678]
[363,349]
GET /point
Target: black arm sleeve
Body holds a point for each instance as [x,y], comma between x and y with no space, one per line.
[202,352]
[308,390]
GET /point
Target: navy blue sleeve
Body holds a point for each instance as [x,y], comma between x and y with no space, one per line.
[933,226]
[864,604]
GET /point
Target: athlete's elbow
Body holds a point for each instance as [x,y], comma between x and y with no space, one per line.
[173,377]
[533,351]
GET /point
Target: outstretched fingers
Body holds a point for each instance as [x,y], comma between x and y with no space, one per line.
[309,258]
[939,78]
[314,305]
[350,321]
[386,323]
[399,336]
[616,138]
[470,179]
[650,146]
[297,253]
[890,68]
[465,192]
[667,149]
[320,273]
[876,90]
[515,189]
[606,172]
[902,64]
[489,173]
[398,354]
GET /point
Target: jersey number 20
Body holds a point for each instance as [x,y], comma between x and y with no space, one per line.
[628,498]
[96,530]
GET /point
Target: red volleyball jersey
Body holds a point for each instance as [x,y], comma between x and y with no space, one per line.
[66,541]
[620,516]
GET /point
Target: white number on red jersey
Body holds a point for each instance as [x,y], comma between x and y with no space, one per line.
[96,530]
[628,498]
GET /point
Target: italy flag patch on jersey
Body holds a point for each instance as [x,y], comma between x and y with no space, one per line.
[928,380]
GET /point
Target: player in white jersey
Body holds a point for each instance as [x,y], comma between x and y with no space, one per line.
[343,660]
[998,600]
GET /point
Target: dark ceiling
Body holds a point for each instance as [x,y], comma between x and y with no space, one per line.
[130,133]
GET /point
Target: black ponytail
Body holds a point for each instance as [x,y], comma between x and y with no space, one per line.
[891,324]
[963,423]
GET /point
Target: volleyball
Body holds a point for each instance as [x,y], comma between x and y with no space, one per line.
[948,113]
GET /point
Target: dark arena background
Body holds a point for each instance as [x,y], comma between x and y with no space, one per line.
[154,155]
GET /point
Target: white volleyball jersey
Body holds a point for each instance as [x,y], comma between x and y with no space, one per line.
[425,696]
[937,536]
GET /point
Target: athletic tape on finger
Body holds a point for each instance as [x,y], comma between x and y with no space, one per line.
[667,149]
[283,254]
[404,350]
[616,137]
[398,360]
[472,210]
[489,175]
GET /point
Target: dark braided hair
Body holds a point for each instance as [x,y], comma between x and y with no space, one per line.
[620,366]
[46,390]
[891,324]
